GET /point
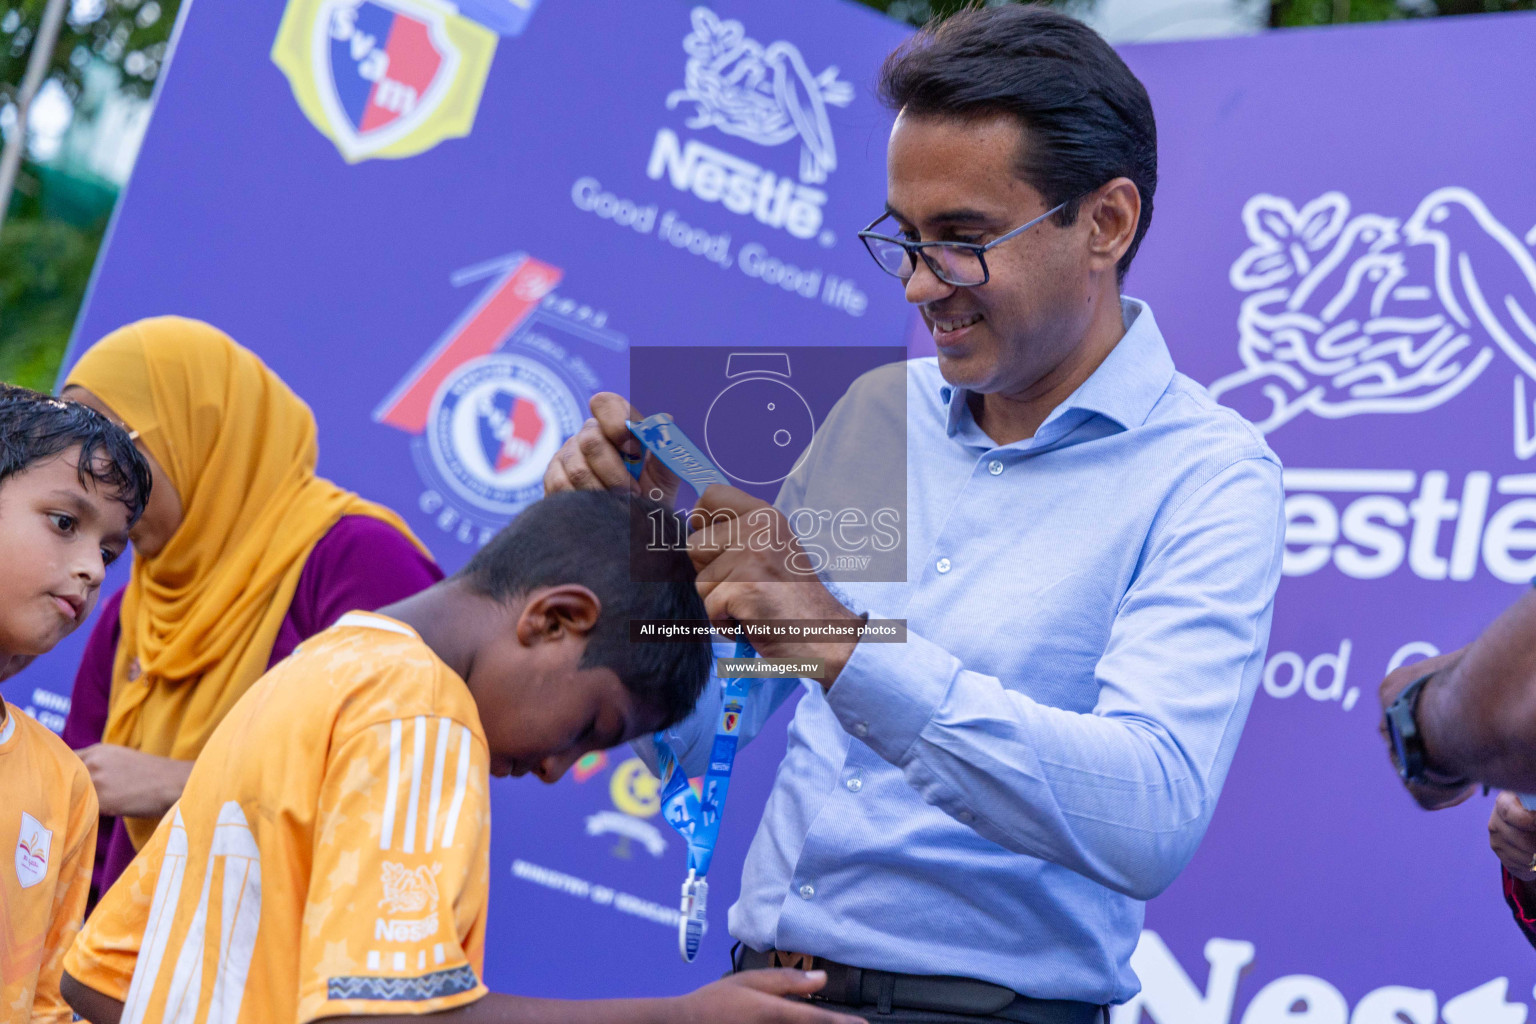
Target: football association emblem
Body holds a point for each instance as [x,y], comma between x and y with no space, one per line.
[32,851]
[384,78]
[494,426]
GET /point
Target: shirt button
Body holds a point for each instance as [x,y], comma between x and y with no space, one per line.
[995,467]
[966,816]
[854,785]
[807,891]
[942,565]
[861,729]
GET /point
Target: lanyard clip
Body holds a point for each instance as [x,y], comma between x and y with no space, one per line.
[692,926]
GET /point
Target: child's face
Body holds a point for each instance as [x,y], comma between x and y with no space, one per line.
[57,537]
[542,711]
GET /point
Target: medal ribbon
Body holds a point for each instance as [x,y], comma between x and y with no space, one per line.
[695,817]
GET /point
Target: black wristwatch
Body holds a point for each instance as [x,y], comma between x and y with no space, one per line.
[1403,732]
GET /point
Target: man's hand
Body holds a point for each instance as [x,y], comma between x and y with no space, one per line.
[593,459]
[755,997]
[751,566]
[133,784]
[1431,797]
[1512,834]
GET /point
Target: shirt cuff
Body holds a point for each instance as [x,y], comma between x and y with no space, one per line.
[887,693]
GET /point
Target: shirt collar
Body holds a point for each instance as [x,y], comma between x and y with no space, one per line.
[1123,389]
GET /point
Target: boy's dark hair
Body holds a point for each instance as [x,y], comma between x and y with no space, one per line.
[35,427]
[596,539]
[1086,116]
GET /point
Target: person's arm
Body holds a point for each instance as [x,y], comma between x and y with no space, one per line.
[1512,835]
[1122,794]
[751,997]
[74,887]
[91,1005]
[1477,712]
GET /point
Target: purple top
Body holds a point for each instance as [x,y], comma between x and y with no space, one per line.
[361,564]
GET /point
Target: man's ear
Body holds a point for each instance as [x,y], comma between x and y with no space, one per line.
[1113,211]
[552,612]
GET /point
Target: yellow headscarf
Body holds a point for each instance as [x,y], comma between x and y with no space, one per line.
[200,617]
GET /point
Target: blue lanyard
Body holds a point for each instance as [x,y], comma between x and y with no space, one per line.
[695,818]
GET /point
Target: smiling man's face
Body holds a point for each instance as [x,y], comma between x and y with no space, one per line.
[952,179]
[57,536]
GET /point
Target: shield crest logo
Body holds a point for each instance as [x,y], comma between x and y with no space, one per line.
[32,847]
[384,67]
[384,78]
[510,427]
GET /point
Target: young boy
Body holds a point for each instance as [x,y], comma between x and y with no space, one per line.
[71,484]
[329,857]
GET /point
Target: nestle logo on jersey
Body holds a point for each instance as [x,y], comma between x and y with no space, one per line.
[1364,522]
[763,94]
[404,931]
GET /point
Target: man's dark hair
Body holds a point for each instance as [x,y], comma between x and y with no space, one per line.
[596,539]
[35,427]
[1086,116]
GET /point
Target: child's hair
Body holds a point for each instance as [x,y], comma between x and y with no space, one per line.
[35,427]
[595,539]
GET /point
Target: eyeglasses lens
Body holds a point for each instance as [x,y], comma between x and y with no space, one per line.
[954,265]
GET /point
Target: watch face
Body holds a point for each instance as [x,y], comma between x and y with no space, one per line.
[758,429]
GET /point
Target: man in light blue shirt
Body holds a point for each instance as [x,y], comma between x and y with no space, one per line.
[1091,546]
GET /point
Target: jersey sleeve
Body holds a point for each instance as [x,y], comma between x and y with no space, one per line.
[107,948]
[394,922]
[48,1006]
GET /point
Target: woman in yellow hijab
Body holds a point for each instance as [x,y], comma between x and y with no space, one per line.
[242,553]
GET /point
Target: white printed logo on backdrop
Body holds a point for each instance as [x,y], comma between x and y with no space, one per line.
[763,94]
[1349,314]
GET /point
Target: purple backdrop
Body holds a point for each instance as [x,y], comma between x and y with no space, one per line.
[1342,249]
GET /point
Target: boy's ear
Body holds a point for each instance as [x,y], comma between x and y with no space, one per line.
[552,612]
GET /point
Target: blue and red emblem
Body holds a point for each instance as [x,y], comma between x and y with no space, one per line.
[383,62]
[384,78]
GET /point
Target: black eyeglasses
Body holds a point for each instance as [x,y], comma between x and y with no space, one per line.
[962,264]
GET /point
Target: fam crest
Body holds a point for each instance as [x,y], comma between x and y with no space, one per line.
[384,78]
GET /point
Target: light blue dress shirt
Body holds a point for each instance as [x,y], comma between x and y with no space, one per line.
[1088,612]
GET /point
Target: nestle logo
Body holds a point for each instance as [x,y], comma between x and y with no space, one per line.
[741,186]
[1369,522]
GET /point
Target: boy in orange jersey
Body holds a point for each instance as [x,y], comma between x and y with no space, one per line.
[329,857]
[71,484]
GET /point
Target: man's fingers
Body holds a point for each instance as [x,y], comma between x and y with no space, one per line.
[725,498]
[555,480]
[782,981]
[1512,812]
[613,413]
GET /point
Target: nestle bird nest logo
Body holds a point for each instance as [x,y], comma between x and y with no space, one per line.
[767,95]
[1362,313]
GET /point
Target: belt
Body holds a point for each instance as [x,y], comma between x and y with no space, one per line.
[887,990]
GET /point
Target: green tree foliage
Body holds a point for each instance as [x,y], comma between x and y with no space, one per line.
[130,35]
[45,265]
[1302,13]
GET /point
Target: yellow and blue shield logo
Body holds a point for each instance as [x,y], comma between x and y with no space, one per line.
[384,78]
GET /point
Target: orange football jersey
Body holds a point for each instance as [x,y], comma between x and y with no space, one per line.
[48,817]
[329,856]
